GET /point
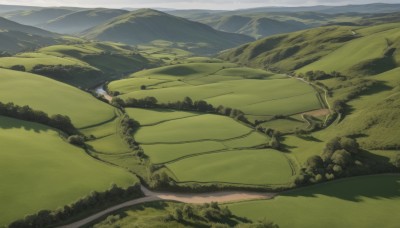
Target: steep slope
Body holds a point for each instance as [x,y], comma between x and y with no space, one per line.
[13,26]
[291,51]
[76,22]
[367,62]
[37,16]
[145,26]
[15,37]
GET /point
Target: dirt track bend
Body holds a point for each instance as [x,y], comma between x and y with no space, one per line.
[150,196]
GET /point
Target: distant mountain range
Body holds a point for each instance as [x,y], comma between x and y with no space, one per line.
[146,25]
[15,37]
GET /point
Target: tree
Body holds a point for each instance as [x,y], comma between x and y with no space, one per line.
[18,68]
[315,162]
[187,103]
[76,140]
[117,102]
[342,158]
[349,145]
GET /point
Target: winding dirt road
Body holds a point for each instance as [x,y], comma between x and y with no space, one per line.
[150,196]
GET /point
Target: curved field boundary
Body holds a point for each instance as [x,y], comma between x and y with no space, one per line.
[226,150]
[101,123]
[164,121]
[200,140]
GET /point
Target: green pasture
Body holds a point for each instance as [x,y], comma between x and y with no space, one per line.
[154,116]
[191,129]
[53,97]
[161,153]
[252,167]
[277,95]
[369,201]
[39,170]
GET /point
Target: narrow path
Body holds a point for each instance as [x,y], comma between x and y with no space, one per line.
[194,198]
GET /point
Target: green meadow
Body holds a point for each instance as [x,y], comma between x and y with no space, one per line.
[271,166]
[53,97]
[369,201]
[39,170]
[255,92]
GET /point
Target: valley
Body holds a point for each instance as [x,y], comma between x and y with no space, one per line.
[265,117]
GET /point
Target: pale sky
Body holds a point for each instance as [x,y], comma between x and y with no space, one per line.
[187,4]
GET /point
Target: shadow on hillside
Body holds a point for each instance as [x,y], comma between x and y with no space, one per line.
[7,123]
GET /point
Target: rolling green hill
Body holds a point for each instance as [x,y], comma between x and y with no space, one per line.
[13,26]
[53,97]
[76,22]
[355,202]
[322,49]
[145,26]
[39,170]
[37,17]
[15,37]
[367,59]
[84,64]
[257,27]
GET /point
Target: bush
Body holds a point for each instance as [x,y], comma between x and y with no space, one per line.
[77,140]
[18,68]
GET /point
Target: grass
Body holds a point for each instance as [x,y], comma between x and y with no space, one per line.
[252,167]
[284,125]
[161,153]
[372,46]
[255,92]
[148,117]
[354,202]
[38,170]
[53,97]
[203,127]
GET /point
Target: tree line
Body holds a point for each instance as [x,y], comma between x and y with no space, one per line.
[187,104]
[60,122]
[94,201]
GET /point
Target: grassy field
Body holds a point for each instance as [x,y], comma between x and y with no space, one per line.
[149,117]
[207,127]
[53,97]
[38,170]
[252,167]
[354,202]
[255,92]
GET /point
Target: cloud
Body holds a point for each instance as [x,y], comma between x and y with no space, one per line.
[185,4]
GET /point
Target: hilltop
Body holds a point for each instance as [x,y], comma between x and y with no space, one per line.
[36,17]
[76,22]
[146,25]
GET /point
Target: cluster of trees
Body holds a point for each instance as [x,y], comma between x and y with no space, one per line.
[187,104]
[128,128]
[18,68]
[211,215]
[321,75]
[57,121]
[64,71]
[339,158]
[94,201]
